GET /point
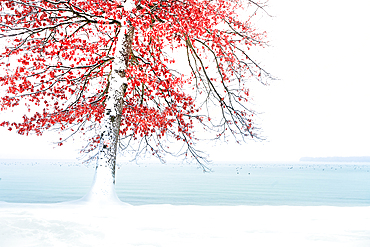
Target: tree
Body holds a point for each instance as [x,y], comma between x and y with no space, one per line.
[105,69]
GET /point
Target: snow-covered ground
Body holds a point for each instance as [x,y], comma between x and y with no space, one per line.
[79,224]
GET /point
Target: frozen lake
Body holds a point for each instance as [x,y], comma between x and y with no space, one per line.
[300,184]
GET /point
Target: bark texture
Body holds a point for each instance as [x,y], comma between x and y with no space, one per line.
[102,189]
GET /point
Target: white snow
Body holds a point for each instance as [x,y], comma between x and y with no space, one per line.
[82,224]
[102,190]
[129,5]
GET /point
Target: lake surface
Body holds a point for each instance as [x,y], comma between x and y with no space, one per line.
[299,184]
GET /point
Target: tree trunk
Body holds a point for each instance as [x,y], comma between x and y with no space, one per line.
[102,189]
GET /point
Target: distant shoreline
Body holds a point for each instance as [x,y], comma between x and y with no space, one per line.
[337,159]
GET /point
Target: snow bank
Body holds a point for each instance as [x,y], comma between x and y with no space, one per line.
[81,224]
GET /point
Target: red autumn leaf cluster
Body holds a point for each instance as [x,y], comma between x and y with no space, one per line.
[58,59]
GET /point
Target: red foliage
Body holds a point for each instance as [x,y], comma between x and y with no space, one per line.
[61,55]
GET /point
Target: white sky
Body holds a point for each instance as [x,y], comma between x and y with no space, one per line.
[319,107]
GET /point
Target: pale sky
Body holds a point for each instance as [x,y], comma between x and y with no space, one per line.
[318,107]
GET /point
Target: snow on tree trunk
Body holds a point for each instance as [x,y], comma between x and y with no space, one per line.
[103,187]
